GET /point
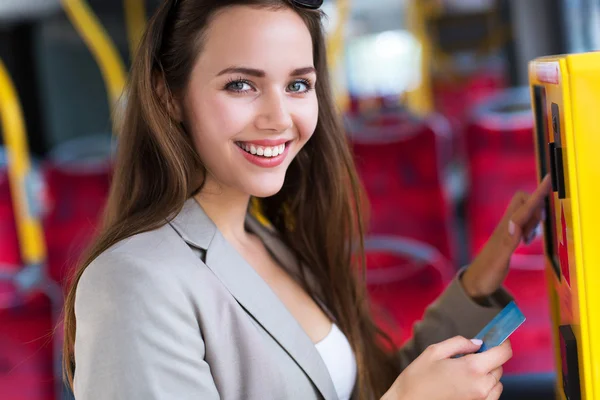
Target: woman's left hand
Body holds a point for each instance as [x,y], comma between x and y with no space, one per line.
[487,272]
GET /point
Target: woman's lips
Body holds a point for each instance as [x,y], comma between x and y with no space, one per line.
[264,153]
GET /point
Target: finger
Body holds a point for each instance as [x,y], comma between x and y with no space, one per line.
[535,201]
[455,346]
[533,227]
[497,374]
[493,358]
[516,202]
[496,392]
[514,231]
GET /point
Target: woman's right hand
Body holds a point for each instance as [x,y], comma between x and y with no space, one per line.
[435,375]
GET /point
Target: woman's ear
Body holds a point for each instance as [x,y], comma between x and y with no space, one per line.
[172,104]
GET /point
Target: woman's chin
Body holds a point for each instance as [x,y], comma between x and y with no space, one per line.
[266,190]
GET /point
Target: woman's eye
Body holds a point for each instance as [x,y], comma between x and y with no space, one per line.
[299,86]
[239,86]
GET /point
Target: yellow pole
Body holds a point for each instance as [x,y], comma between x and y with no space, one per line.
[29,228]
[103,49]
[135,15]
[420,100]
[335,50]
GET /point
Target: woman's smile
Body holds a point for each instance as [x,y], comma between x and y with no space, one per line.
[264,153]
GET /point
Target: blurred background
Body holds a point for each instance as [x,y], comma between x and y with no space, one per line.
[437,109]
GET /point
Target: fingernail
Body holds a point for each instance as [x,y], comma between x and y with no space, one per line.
[477,342]
[511,228]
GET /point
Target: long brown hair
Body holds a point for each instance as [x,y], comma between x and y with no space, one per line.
[157,170]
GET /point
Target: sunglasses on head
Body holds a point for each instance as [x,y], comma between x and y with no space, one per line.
[310,4]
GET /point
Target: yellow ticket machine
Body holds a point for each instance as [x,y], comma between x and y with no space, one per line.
[566,98]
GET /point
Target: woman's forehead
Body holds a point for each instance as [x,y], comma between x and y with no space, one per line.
[259,38]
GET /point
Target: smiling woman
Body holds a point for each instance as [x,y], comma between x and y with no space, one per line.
[185,295]
[228,100]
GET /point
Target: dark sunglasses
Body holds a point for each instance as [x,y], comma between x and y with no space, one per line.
[311,4]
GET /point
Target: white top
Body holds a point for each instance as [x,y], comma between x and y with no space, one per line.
[338,356]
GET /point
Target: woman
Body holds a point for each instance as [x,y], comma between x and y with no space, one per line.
[187,296]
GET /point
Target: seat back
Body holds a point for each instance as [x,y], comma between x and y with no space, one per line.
[404,276]
[10,255]
[501,155]
[78,180]
[27,363]
[399,162]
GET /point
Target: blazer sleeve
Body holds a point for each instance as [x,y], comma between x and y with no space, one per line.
[137,334]
[454,313]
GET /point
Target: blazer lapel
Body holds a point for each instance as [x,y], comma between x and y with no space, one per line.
[253,293]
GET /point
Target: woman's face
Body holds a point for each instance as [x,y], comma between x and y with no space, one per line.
[250,104]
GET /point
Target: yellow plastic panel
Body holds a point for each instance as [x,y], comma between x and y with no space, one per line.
[571,84]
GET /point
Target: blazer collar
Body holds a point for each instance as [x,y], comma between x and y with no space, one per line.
[193,225]
[251,291]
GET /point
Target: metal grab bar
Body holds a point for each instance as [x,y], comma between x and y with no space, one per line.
[135,18]
[335,48]
[101,46]
[29,229]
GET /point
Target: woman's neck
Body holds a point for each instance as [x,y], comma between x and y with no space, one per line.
[226,208]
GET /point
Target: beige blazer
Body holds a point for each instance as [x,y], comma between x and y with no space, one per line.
[177,314]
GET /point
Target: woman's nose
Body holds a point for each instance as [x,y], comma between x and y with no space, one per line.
[274,114]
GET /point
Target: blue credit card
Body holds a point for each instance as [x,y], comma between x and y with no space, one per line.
[501,327]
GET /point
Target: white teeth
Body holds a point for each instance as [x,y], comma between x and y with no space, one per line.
[273,151]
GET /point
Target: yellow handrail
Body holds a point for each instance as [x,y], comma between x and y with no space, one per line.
[335,48]
[420,100]
[103,49]
[256,210]
[29,228]
[135,16]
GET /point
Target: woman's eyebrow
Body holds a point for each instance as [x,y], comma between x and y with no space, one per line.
[243,70]
[303,71]
[261,74]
